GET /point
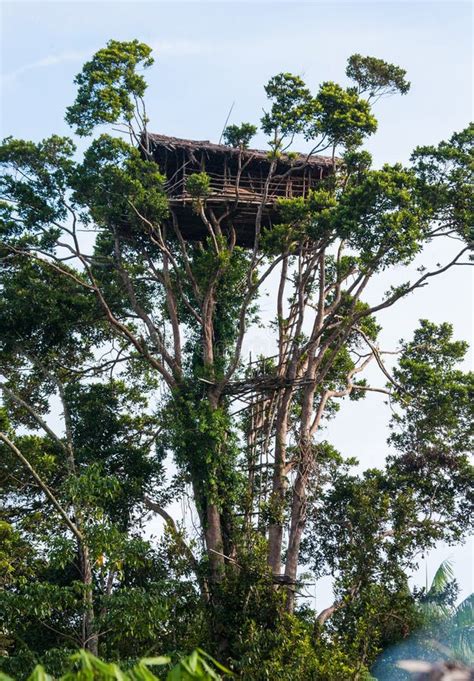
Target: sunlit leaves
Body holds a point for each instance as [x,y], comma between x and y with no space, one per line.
[34,186]
[376,77]
[335,116]
[292,107]
[198,185]
[435,396]
[380,217]
[82,666]
[110,451]
[445,182]
[357,162]
[109,85]
[118,186]
[239,135]
[343,117]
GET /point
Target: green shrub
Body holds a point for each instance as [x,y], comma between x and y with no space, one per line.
[198,666]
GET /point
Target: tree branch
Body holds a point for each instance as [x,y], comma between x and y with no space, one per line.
[72,526]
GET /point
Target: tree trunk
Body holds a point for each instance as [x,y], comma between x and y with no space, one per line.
[298,517]
[279,486]
[298,505]
[90,637]
[214,544]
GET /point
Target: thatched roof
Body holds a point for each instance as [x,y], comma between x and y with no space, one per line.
[175,143]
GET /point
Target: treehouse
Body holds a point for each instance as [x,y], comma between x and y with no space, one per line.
[237,182]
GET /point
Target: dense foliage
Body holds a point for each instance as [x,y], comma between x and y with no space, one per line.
[83,666]
[120,361]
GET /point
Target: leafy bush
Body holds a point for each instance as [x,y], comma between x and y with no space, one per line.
[199,666]
[198,185]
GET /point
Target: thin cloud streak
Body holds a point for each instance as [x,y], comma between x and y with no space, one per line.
[50,60]
[177,48]
[165,48]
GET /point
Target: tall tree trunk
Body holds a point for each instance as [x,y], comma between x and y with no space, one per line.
[90,637]
[298,505]
[297,523]
[214,543]
[279,485]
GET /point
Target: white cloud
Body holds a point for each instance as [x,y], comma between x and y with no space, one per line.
[50,60]
[165,48]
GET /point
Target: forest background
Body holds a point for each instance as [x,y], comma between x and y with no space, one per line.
[212,56]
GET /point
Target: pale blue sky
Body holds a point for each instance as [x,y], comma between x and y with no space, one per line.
[210,54]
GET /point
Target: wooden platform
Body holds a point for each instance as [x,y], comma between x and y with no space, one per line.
[294,176]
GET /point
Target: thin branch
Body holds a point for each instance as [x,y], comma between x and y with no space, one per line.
[72,526]
[156,508]
[41,422]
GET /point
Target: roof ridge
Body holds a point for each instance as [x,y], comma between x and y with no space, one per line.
[181,142]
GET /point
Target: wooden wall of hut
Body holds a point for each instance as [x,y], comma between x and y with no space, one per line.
[178,159]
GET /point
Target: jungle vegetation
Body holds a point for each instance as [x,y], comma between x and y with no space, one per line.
[120,345]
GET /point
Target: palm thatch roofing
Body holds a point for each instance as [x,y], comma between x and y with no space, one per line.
[190,146]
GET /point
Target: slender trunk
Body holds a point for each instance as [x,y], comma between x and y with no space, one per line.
[298,517]
[213,521]
[90,637]
[288,368]
[279,486]
[214,544]
[298,505]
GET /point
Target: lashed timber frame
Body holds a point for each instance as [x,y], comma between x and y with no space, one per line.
[238,182]
[245,186]
[239,207]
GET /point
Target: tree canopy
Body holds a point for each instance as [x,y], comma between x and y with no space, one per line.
[126,392]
